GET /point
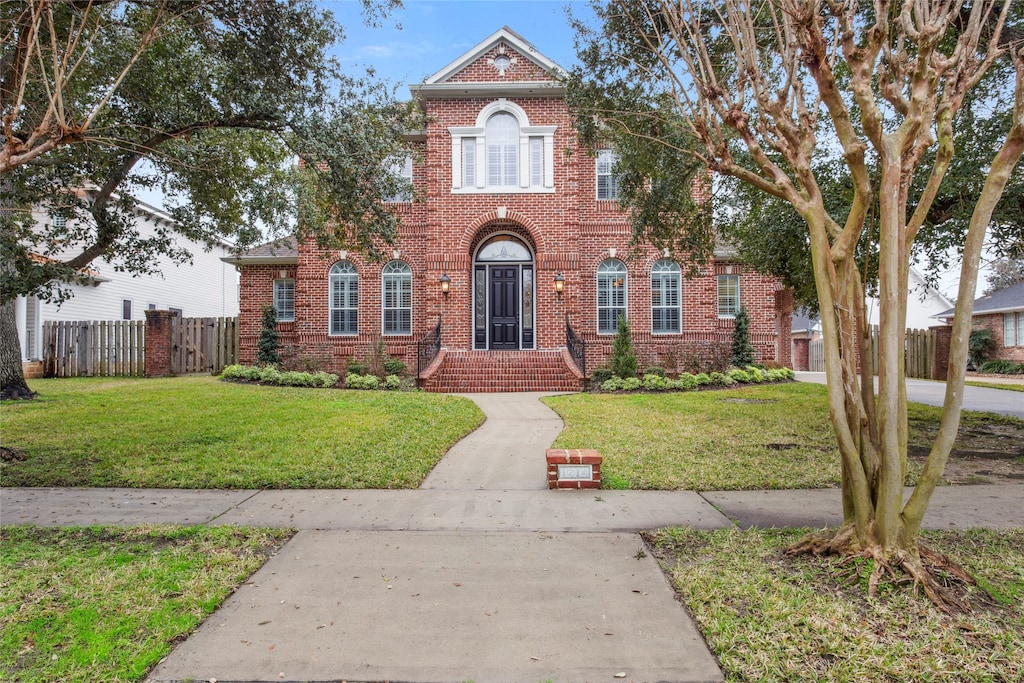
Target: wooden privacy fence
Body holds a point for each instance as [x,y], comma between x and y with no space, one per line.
[94,348]
[919,350]
[203,344]
[117,348]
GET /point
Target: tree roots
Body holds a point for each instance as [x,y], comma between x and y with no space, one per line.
[943,581]
[16,391]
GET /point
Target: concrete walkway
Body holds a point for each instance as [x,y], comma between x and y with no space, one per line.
[481,575]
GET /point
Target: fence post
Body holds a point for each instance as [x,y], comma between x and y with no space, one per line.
[159,342]
[943,338]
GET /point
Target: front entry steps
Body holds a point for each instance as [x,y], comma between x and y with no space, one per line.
[495,371]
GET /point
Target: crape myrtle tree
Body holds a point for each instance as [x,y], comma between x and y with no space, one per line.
[210,104]
[758,92]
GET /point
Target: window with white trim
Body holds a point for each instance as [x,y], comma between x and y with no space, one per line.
[502,152]
[344,304]
[611,295]
[1013,329]
[284,299]
[402,168]
[607,181]
[396,294]
[666,309]
[126,309]
[728,296]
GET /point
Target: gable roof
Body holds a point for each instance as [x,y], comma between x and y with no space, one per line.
[443,84]
[1003,300]
[282,251]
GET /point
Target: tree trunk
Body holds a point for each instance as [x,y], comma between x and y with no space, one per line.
[12,375]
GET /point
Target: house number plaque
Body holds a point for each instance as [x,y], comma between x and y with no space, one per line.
[575,472]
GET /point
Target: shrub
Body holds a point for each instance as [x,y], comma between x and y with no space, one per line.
[354,381]
[756,374]
[742,351]
[738,375]
[623,357]
[271,375]
[393,366]
[704,356]
[980,345]
[721,379]
[686,382]
[613,384]
[354,367]
[702,379]
[268,346]
[659,371]
[1002,367]
[601,375]
[631,383]
[655,382]
[392,382]
[324,379]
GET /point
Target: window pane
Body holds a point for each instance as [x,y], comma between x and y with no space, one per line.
[469,162]
[502,136]
[1009,329]
[607,184]
[728,295]
[344,298]
[1020,329]
[536,162]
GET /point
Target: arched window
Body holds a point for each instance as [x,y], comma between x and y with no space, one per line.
[611,295]
[396,294]
[665,297]
[502,135]
[344,298]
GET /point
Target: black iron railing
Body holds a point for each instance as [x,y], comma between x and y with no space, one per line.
[577,348]
[427,349]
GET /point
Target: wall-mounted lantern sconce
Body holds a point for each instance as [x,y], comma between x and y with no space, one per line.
[559,283]
[446,283]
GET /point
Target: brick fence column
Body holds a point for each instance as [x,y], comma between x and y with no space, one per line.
[943,337]
[784,316]
[159,344]
[801,351]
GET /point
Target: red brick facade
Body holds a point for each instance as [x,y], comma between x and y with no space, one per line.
[560,221]
[996,322]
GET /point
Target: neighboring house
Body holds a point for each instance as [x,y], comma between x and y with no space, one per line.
[1002,312]
[518,236]
[924,303]
[207,287]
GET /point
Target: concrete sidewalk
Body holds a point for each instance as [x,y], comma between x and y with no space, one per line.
[481,575]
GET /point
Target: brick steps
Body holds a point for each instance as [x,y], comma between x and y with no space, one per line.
[495,371]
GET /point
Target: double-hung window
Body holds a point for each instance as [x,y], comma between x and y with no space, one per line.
[402,170]
[284,299]
[665,297]
[396,283]
[611,295]
[344,299]
[607,183]
[1013,329]
[728,296]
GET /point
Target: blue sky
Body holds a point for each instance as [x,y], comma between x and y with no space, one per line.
[435,32]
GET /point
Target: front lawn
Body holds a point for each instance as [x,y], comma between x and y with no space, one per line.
[772,618]
[106,604]
[198,432]
[760,437]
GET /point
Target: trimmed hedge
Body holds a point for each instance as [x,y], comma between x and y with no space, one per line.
[271,375]
[687,382]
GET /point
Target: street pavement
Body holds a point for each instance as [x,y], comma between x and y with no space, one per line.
[482,574]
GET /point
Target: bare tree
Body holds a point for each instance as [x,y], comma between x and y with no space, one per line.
[760,88]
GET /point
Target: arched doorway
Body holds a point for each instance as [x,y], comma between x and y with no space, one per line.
[504,314]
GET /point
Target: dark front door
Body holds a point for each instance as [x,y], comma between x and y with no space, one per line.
[504,316]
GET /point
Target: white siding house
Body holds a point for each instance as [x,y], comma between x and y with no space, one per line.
[207,287]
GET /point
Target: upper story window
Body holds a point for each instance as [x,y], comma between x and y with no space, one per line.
[728,296]
[503,152]
[665,300]
[607,182]
[396,294]
[402,168]
[344,302]
[611,295]
[284,299]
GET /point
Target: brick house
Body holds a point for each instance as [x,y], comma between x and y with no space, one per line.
[1002,312]
[517,239]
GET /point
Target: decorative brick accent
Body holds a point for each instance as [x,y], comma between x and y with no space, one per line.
[943,337]
[801,354]
[159,343]
[561,456]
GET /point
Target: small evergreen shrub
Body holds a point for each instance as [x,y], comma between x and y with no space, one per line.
[623,357]
[392,382]
[354,381]
[631,383]
[601,375]
[271,375]
[742,351]
[355,367]
[659,371]
[393,366]
[756,374]
[1002,367]
[720,379]
[980,345]
[686,382]
[268,346]
[702,379]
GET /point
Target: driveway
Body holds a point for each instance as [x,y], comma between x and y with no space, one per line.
[932,393]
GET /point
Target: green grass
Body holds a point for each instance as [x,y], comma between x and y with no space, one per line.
[770,618]
[106,604]
[775,436]
[994,385]
[198,432]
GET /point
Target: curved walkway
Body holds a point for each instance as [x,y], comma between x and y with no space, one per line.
[482,574]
